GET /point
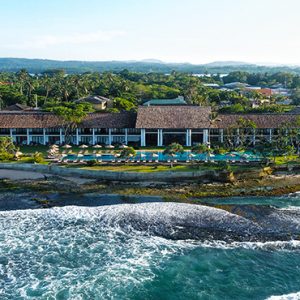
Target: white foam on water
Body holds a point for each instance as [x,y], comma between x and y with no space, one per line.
[269,246]
[74,252]
[291,296]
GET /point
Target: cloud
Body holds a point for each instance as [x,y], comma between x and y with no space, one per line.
[41,42]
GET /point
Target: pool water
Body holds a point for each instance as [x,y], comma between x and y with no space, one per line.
[159,156]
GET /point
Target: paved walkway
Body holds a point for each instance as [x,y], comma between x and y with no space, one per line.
[27,175]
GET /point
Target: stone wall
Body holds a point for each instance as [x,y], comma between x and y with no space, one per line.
[209,176]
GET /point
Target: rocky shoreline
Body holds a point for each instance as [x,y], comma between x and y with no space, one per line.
[52,190]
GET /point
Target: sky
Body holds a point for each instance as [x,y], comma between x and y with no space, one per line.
[195,31]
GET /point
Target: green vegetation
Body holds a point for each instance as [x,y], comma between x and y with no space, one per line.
[142,168]
[127,152]
[129,89]
[72,114]
[8,150]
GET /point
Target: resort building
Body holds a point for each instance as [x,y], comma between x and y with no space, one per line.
[149,126]
[97,102]
[176,101]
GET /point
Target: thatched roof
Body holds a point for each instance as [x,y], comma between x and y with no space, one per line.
[17,107]
[261,120]
[49,120]
[173,117]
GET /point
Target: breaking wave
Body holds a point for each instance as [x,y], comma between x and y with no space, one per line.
[133,252]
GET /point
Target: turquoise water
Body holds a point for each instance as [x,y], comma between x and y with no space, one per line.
[288,201]
[148,155]
[83,253]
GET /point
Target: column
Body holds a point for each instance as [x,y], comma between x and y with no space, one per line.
[109,137]
[205,136]
[60,136]
[188,141]
[94,137]
[77,136]
[44,136]
[254,137]
[270,135]
[28,137]
[143,137]
[11,133]
[158,137]
[161,137]
[221,135]
[126,136]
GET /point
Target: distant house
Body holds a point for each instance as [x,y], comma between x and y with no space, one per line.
[212,85]
[18,107]
[176,101]
[236,85]
[98,102]
[281,91]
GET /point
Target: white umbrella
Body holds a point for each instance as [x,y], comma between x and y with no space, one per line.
[83,146]
[143,155]
[155,155]
[110,146]
[18,153]
[97,146]
[67,146]
[123,147]
[54,146]
[192,155]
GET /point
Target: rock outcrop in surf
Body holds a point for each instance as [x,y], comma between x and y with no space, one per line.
[178,221]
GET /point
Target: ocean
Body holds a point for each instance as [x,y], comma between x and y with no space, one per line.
[86,253]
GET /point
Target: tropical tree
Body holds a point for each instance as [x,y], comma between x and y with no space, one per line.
[128,152]
[202,148]
[71,115]
[7,148]
[172,150]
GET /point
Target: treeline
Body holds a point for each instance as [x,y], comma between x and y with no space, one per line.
[129,89]
[79,67]
[286,79]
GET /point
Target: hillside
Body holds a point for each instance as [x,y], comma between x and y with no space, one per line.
[146,66]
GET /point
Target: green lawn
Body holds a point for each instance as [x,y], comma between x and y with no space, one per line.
[141,168]
[282,160]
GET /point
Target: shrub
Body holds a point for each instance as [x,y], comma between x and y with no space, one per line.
[38,157]
[127,152]
[6,156]
[91,162]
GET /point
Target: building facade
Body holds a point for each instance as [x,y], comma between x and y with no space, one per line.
[149,126]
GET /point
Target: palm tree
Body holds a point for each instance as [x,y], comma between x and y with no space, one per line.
[22,76]
[172,150]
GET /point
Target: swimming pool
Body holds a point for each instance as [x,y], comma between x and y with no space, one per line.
[158,156]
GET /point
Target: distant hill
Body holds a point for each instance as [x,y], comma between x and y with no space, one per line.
[146,66]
